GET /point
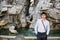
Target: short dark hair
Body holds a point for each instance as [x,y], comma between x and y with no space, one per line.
[44,13]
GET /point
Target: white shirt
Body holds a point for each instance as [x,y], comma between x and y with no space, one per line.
[40,28]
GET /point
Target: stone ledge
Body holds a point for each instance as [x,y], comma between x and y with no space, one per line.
[27,37]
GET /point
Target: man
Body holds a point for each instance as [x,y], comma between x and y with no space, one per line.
[42,27]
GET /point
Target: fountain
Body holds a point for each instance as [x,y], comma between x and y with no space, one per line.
[24,14]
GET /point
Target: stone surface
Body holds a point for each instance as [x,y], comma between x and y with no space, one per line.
[25,13]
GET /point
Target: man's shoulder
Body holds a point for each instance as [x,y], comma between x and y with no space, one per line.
[47,21]
[39,19]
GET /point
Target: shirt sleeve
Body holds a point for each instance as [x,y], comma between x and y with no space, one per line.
[36,26]
[48,28]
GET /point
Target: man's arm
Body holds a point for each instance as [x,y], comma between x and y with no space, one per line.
[36,27]
[48,28]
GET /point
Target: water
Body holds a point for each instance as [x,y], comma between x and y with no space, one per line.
[28,32]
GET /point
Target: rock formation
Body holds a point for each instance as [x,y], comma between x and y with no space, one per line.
[24,13]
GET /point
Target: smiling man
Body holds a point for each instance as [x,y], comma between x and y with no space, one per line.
[42,27]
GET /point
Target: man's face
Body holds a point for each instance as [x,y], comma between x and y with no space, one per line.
[43,16]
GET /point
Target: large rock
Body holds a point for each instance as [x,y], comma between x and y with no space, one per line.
[4,2]
[23,20]
[20,2]
[42,5]
[54,13]
[57,5]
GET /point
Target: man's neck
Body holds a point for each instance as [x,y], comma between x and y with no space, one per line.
[43,19]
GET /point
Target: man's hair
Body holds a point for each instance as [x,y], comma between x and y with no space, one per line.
[44,13]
